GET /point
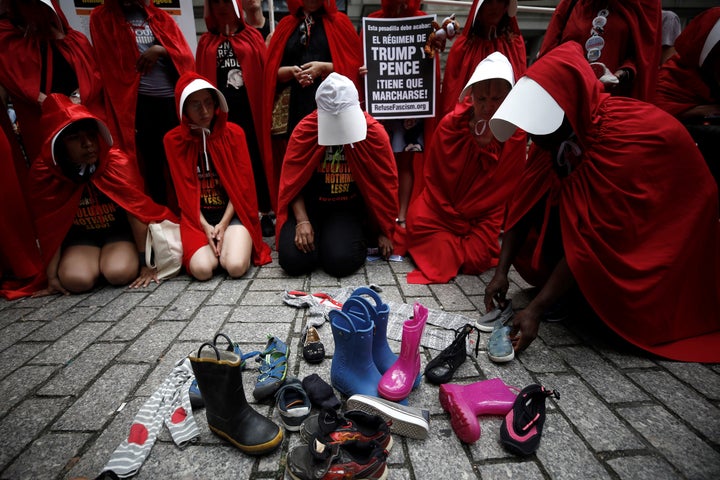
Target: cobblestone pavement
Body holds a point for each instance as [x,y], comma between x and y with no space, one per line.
[69,364]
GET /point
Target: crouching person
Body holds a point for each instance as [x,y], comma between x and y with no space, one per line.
[88,204]
[212,173]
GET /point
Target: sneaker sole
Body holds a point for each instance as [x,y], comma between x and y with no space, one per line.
[383,476]
[404,423]
[502,358]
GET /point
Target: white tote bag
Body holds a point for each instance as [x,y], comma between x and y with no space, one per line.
[163,248]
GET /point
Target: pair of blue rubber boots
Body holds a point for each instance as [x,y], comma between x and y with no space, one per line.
[362,354]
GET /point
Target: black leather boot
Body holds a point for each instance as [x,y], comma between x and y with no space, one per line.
[218,373]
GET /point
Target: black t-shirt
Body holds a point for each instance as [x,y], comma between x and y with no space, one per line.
[332,184]
[213,197]
[98,214]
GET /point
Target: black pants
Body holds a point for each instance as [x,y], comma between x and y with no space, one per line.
[154,117]
[340,245]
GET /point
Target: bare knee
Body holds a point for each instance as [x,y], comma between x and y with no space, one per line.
[238,267]
[120,274]
[77,281]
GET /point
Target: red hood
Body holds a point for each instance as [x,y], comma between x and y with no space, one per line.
[190,82]
[295,5]
[210,20]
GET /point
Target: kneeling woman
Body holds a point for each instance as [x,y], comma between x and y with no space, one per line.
[212,172]
[90,211]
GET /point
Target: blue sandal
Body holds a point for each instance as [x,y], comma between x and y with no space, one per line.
[273,368]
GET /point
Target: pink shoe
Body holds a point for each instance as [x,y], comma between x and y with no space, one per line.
[465,402]
[397,382]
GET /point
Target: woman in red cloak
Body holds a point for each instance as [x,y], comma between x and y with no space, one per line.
[455,222]
[90,214]
[232,56]
[617,214]
[492,27]
[212,172]
[141,52]
[338,187]
[689,84]
[622,39]
[312,41]
[41,54]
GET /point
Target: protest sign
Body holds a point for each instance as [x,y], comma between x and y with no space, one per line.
[400,82]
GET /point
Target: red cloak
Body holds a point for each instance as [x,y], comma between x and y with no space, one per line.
[117,53]
[228,150]
[55,198]
[639,228]
[371,162]
[680,84]
[455,222]
[19,255]
[21,67]
[250,50]
[346,53]
[633,36]
[469,50]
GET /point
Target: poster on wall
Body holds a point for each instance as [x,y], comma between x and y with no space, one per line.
[78,15]
[400,80]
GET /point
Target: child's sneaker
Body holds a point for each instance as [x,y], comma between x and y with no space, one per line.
[331,426]
[293,404]
[337,461]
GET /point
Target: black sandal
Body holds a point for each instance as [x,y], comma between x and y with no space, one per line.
[522,427]
[442,368]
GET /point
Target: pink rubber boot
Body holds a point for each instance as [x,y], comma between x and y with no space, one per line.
[466,402]
[397,382]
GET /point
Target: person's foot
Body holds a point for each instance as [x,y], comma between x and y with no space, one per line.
[267,225]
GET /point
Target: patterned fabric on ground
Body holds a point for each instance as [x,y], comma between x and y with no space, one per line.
[438,334]
[170,404]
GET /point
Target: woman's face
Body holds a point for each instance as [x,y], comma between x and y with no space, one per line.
[551,142]
[396,7]
[223,11]
[200,108]
[486,99]
[82,146]
[492,11]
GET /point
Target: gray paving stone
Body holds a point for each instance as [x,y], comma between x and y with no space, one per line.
[102,296]
[610,384]
[538,357]
[228,293]
[16,332]
[261,299]
[685,403]
[9,315]
[703,379]
[398,473]
[58,327]
[564,455]
[152,343]
[71,344]
[277,284]
[453,299]
[643,468]
[414,290]
[512,373]
[16,355]
[21,382]
[497,471]
[185,305]
[320,279]
[675,441]
[96,456]
[488,446]
[120,307]
[47,456]
[626,360]
[206,323]
[260,315]
[441,447]
[379,272]
[211,284]
[470,285]
[73,377]
[132,324]
[56,307]
[99,403]
[594,421]
[555,334]
[23,424]
[166,292]
[195,461]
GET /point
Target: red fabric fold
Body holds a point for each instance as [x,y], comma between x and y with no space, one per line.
[455,222]
[643,247]
[228,150]
[371,162]
[680,84]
